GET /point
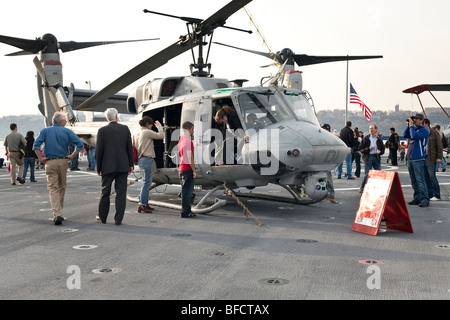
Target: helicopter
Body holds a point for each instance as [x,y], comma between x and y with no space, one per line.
[285,146]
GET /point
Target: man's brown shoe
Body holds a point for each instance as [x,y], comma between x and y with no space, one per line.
[145,209]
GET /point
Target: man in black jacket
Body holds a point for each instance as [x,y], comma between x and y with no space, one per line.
[114,159]
[371,148]
[346,135]
[394,141]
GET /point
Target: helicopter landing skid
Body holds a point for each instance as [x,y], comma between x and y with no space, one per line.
[218,203]
[295,197]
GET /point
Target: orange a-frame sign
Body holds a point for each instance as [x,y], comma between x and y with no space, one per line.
[382,198]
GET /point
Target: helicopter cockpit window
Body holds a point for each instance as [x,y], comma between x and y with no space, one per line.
[265,106]
[168,88]
[301,108]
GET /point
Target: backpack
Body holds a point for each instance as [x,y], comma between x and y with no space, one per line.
[21,150]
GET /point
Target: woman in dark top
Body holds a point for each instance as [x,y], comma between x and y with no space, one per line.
[30,157]
[229,123]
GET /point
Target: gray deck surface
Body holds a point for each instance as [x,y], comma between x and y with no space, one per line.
[299,253]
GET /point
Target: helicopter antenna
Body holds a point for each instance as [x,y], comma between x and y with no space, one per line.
[258,30]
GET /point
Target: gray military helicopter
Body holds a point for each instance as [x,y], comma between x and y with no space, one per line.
[283,144]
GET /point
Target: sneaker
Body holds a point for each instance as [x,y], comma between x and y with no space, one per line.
[414,202]
[99,220]
[189,215]
[435,199]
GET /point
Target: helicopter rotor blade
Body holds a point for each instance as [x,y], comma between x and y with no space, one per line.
[29,46]
[162,57]
[219,18]
[19,53]
[34,46]
[187,19]
[305,60]
[134,74]
[66,46]
[264,54]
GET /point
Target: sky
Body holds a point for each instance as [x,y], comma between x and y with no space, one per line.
[412,36]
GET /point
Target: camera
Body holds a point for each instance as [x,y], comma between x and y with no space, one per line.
[412,118]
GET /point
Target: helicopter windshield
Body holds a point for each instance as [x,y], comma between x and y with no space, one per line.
[301,107]
[264,108]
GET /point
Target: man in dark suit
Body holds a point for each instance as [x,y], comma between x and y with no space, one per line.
[114,160]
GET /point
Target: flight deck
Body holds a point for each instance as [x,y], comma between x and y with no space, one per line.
[299,252]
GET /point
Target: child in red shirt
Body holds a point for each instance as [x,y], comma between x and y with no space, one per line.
[186,170]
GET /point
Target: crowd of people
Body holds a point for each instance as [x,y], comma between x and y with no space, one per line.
[422,150]
[117,151]
[57,148]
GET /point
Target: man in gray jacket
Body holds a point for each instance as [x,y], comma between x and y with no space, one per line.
[114,158]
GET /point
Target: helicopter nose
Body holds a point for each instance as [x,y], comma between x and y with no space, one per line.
[310,148]
[296,146]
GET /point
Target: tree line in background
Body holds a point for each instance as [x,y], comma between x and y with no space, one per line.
[336,119]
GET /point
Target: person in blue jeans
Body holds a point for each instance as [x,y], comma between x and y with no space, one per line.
[186,169]
[416,155]
[434,156]
[347,136]
[443,139]
[90,153]
[143,141]
[371,148]
[29,159]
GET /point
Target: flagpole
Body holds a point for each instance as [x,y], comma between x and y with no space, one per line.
[346,95]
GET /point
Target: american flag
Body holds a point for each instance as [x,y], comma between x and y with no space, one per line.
[354,98]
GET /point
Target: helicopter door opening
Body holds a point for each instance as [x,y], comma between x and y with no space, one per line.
[228,147]
[169,117]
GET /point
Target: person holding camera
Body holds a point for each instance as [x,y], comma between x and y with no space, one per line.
[416,155]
